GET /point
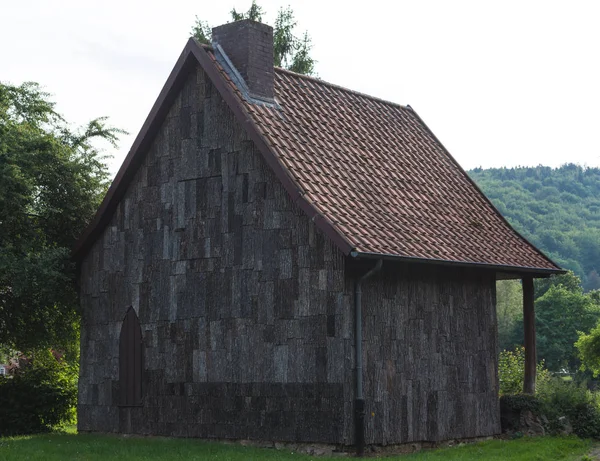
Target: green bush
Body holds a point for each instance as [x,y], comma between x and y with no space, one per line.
[521,402]
[40,395]
[554,398]
[576,402]
[511,369]
[588,347]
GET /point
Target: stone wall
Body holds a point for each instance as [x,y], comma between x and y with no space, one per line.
[246,324]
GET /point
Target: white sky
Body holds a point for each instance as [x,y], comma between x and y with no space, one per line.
[501,83]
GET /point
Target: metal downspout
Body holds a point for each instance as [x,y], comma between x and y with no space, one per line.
[359,401]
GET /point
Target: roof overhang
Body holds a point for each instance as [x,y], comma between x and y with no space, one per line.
[503,271]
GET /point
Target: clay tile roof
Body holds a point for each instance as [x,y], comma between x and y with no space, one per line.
[377,173]
[368,172]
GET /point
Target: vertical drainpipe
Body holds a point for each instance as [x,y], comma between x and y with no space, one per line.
[359,400]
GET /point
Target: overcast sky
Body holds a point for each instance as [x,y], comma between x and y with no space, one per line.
[501,83]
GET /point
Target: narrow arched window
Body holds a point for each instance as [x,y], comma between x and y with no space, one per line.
[130,360]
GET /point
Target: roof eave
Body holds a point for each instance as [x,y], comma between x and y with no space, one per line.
[536,272]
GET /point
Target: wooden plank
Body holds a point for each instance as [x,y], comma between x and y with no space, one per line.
[130,361]
[130,353]
[122,363]
[529,329]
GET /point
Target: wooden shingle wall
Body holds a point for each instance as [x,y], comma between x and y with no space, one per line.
[245,316]
[430,355]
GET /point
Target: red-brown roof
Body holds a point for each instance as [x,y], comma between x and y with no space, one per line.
[376,171]
[371,174]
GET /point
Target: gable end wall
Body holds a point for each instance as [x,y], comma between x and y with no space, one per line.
[246,323]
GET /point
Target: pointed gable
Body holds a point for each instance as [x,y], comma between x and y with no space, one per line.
[370,173]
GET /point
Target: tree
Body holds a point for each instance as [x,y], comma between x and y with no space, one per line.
[289,51]
[52,180]
[588,348]
[509,309]
[509,305]
[569,280]
[560,315]
[592,281]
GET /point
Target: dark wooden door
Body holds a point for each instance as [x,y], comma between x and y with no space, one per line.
[130,360]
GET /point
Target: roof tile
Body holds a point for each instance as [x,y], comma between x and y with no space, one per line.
[380,176]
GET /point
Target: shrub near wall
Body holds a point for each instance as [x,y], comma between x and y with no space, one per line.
[40,395]
[578,404]
[511,369]
[557,404]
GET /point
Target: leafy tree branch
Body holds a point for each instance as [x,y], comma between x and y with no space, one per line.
[290,52]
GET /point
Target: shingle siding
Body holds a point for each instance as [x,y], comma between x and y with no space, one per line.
[430,361]
[234,288]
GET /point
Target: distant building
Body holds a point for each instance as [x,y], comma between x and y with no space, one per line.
[220,278]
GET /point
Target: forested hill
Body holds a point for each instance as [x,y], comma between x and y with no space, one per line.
[557,209]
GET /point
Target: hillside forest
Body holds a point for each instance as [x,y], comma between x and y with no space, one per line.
[558,210]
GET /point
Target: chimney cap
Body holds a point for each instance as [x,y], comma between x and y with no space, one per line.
[242,23]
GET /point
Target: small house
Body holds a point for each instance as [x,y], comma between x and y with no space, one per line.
[283,259]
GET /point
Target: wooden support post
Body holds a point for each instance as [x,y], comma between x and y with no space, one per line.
[529,329]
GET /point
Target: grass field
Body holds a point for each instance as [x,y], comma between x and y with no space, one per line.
[69,446]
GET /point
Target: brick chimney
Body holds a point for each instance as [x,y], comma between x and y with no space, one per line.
[249,46]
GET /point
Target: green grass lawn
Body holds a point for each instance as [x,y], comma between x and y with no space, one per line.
[70,446]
